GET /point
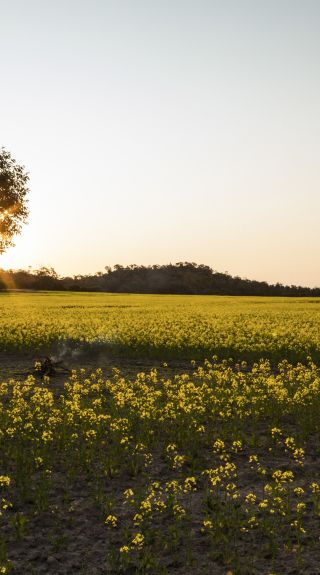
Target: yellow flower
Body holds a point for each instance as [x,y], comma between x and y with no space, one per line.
[47,436]
[190,484]
[275,431]
[138,518]
[129,494]
[178,510]
[298,491]
[218,446]
[4,481]
[111,521]
[207,523]
[178,461]
[250,498]
[315,487]
[138,540]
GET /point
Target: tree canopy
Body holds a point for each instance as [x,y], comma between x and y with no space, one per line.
[13,201]
[179,278]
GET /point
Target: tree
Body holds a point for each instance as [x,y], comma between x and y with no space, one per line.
[44,271]
[13,191]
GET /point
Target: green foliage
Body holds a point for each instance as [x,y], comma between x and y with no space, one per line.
[13,192]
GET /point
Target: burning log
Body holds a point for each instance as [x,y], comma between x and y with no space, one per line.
[49,368]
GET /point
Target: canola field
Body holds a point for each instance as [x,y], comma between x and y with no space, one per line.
[211,470]
[162,327]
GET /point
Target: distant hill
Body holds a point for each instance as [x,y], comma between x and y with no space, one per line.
[179,278]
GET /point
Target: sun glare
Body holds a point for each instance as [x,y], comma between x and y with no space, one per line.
[20,255]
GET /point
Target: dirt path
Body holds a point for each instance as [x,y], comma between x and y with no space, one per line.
[20,365]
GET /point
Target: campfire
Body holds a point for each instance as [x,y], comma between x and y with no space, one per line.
[49,367]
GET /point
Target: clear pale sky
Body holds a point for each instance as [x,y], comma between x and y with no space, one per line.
[159,131]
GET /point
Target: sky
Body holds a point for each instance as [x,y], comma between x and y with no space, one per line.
[165,131]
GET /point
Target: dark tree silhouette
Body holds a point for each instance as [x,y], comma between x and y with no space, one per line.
[13,191]
[179,278]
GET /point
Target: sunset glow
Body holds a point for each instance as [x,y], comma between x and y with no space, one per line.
[166,131]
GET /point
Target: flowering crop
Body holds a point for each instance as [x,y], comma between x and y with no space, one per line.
[214,469]
[162,327]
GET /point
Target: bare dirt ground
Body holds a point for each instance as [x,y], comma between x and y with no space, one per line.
[20,365]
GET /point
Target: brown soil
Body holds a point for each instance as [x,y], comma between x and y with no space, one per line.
[15,365]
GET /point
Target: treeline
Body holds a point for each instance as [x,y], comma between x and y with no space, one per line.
[179,278]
